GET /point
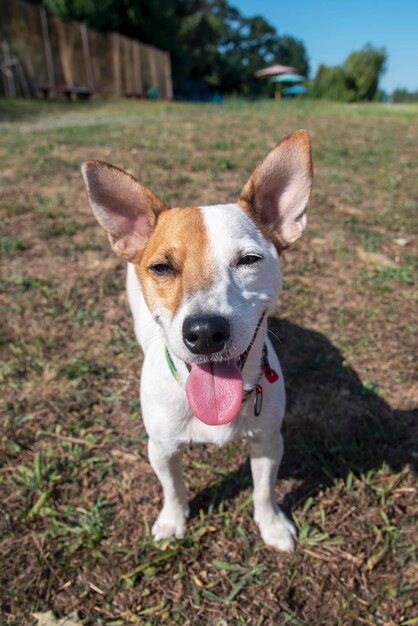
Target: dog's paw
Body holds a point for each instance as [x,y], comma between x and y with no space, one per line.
[170,524]
[278,532]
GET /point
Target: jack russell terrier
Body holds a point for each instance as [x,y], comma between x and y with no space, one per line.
[201,282]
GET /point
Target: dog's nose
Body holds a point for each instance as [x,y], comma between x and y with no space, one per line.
[205,334]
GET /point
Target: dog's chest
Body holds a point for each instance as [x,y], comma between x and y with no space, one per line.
[244,425]
[167,415]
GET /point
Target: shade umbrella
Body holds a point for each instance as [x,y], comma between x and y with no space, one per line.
[274,70]
[295,89]
[288,78]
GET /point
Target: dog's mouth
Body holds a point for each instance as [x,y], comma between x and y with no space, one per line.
[214,389]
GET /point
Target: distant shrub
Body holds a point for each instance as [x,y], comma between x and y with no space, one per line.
[354,81]
[403,95]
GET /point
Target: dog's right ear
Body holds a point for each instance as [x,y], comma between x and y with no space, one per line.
[126,210]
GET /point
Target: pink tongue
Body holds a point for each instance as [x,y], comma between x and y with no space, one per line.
[214,392]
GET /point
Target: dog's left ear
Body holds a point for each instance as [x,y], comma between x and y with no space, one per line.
[277,192]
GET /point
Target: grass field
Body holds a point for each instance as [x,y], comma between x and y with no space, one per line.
[78,494]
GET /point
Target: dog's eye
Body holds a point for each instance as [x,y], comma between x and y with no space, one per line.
[161,269]
[249,259]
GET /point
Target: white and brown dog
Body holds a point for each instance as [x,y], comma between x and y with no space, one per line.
[201,282]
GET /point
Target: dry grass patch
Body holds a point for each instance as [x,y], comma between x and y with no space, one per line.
[78,494]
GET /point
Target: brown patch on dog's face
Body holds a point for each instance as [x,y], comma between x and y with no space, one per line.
[180,242]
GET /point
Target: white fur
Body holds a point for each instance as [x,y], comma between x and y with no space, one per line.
[242,293]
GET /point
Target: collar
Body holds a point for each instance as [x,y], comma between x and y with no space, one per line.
[265,370]
[173,369]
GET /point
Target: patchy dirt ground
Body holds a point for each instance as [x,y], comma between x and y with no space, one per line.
[78,495]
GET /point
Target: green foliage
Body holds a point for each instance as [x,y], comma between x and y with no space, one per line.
[254,43]
[292,52]
[208,40]
[331,83]
[364,68]
[354,81]
[403,95]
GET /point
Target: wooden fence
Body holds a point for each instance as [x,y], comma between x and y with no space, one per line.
[43,53]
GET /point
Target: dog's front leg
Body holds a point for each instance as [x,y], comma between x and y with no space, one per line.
[171,521]
[276,530]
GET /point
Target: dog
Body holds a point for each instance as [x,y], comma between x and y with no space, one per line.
[201,282]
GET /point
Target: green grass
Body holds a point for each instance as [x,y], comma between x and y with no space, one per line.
[79,496]
[10,247]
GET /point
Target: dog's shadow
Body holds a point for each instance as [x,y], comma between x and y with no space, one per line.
[334,424]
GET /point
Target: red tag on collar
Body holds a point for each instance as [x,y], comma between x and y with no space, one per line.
[270,374]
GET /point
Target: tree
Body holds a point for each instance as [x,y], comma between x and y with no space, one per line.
[251,44]
[293,52]
[355,81]
[331,83]
[239,47]
[364,68]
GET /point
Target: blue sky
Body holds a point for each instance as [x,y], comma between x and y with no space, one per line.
[331,29]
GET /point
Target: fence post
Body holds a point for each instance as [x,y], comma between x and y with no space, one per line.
[86,54]
[168,81]
[65,50]
[9,80]
[127,66]
[116,64]
[137,69]
[153,67]
[48,51]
